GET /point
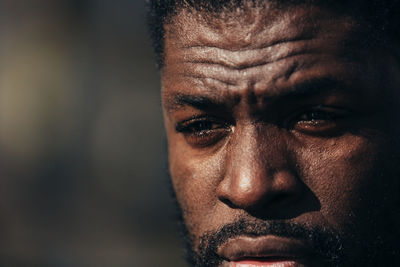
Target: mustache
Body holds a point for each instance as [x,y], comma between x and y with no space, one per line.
[324,243]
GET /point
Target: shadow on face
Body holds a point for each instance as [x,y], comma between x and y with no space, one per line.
[279,117]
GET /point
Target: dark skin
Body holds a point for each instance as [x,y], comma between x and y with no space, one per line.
[281,115]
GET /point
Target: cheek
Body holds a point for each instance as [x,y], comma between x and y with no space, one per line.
[195,179]
[349,176]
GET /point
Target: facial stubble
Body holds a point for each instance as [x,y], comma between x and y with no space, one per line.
[325,244]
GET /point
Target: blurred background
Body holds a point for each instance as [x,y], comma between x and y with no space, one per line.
[82,149]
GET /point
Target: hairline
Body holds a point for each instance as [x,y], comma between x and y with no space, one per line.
[376,31]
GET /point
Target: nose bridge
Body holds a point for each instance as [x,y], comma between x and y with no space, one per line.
[247,160]
[255,158]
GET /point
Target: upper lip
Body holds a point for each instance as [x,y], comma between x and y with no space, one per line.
[264,248]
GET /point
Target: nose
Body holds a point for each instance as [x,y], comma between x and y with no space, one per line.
[258,172]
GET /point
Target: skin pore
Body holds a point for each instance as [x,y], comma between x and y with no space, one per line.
[283,137]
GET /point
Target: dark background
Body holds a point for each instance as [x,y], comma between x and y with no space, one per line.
[82,147]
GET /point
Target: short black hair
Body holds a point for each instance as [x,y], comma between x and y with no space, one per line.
[381,17]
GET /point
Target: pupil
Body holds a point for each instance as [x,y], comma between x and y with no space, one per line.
[315,115]
[203,126]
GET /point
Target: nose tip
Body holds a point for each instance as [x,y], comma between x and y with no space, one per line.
[260,172]
[251,190]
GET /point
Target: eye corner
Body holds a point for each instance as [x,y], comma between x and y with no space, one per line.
[318,120]
[203,131]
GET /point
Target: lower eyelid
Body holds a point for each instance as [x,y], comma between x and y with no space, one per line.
[185,127]
[207,139]
[215,131]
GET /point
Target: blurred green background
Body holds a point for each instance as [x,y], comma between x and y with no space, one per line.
[82,148]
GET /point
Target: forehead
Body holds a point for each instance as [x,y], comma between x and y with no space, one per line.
[253,26]
[253,45]
[265,51]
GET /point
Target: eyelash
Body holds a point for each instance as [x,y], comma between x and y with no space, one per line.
[206,130]
[203,130]
[187,126]
[318,120]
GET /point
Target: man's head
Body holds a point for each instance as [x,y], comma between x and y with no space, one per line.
[283,129]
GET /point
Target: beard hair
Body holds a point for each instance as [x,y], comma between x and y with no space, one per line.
[327,245]
[184,235]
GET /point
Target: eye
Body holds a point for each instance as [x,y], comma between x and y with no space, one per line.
[203,131]
[320,120]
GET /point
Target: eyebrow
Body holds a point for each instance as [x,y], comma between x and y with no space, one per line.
[201,102]
[326,85]
[213,101]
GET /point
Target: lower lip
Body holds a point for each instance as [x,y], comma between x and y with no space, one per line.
[263,264]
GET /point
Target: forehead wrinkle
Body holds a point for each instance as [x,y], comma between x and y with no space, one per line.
[200,99]
[212,29]
[239,33]
[211,82]
[237,79]
[206,53]
[295,78]
[245,59]
[194,50]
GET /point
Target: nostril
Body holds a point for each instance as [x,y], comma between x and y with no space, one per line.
[282,198]
[261,193]
[261,203]
[227,202]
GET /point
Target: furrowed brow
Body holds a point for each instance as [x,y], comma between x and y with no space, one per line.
[307,89]
[179,100]
[315,87]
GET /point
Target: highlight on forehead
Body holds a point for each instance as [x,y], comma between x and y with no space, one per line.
[237,26]
[260,28]
[379,17]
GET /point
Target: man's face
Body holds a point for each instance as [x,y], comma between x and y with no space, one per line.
[282,132]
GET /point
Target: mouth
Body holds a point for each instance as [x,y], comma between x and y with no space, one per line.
[265,251]
[255,263]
